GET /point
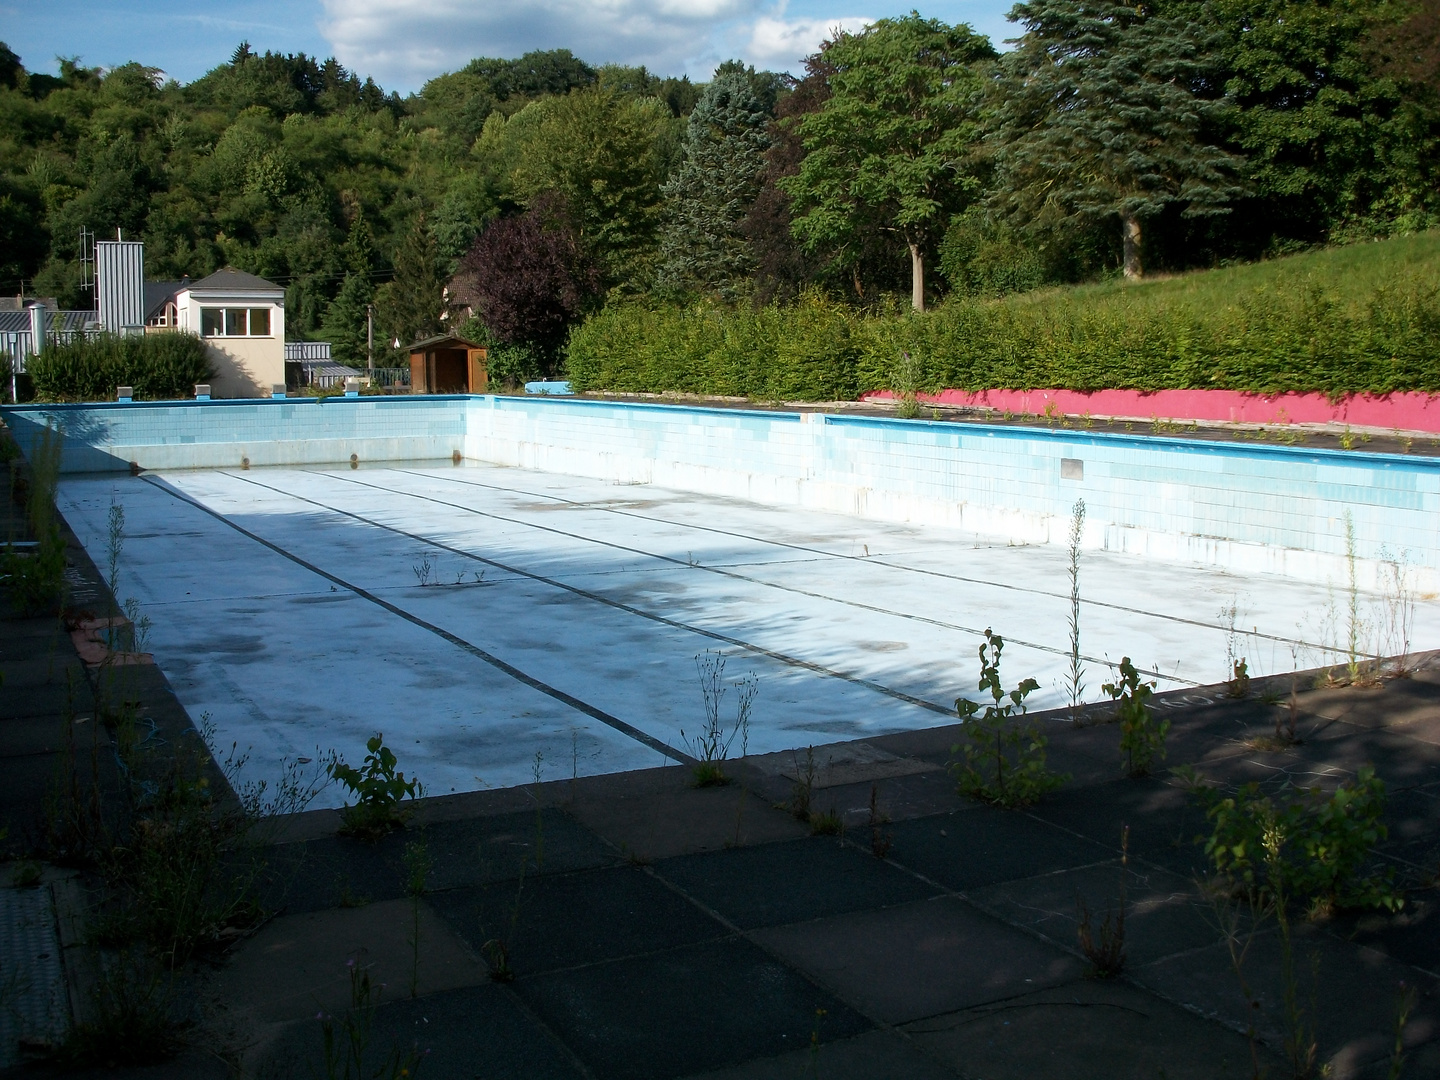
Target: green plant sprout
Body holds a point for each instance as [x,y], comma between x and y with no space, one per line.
[346,1044]
[417,869]
[1104,946]
[712,745]
[379,791]
[1238,685]
[1324,843]
[907,383]
[1004,759]
[1142,737]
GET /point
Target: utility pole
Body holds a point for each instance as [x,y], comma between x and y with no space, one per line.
[370,341]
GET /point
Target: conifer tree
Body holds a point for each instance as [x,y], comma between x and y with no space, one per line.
[409,305]
[702,248]
[345,321]
[1100,115]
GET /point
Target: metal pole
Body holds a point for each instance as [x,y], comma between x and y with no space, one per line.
[370,340]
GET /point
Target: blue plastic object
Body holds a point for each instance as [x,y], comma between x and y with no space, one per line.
[558,388]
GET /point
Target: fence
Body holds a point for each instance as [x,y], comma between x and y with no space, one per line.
[15,344]
[325,374]
[308,352]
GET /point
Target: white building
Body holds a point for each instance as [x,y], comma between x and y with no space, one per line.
[242,319]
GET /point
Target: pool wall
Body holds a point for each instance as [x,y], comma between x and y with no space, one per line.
[1276,509]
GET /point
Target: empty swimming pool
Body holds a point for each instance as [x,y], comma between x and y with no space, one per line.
[494,621]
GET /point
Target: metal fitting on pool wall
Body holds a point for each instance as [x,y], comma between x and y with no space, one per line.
[354,461]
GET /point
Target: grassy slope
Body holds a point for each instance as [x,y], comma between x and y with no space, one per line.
[1351,274]
[1359,318]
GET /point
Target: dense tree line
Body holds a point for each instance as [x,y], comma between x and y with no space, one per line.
[911,159]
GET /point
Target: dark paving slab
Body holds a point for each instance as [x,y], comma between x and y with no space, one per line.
[1413,820]
[475,1031]
[475,851]
[40,792]
[565,920]
[1411,935]
[27,639]
[679,819]
[1164,913]
[1349,993]
[899,798]
[1163,819]
[686,1011]
[337,871]
[58,667]
[297,965]
[1401,759]
[985,845]
[45,734]
[876,1055]
[788,882]
[1087,1030]
[48,699]
[919,959]
[331,872]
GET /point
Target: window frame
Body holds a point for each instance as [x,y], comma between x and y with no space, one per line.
[223,319]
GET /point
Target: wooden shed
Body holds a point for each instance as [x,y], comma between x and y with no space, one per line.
[447,365]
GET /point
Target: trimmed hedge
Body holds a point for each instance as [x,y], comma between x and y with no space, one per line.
[1318,323]
[157,366]
[808,351]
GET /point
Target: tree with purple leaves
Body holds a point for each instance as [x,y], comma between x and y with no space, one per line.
[530,277]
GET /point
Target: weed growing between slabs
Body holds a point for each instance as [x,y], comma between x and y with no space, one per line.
[1004,758]
[1142,737]
[1104,946]
[379,790]
[1301,844]
[711,746]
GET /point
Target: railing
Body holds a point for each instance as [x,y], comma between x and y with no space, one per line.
[391,376]
[15,345]
[308,351]
[325,374]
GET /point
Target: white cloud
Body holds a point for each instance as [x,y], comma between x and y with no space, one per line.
[402,43]
[782,44]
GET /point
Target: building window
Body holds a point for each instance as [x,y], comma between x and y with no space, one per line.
[235,322]
[167,316]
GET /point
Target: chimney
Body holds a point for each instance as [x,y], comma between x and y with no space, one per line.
[37,328]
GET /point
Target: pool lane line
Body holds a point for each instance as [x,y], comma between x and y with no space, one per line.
[713,635]
[454,639]
[733,575]
[867,559]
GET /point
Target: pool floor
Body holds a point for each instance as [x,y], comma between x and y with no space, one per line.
[494,623]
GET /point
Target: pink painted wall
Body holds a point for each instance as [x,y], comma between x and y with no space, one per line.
[1408,411]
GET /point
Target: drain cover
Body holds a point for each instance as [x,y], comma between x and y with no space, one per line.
[34,1005]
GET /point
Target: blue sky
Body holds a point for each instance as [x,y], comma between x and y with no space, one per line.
[402,43]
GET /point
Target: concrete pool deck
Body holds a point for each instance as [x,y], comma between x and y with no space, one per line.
[660,931]
[493,622]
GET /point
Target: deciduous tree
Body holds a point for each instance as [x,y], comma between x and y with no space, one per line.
[891,148]
[530,277]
